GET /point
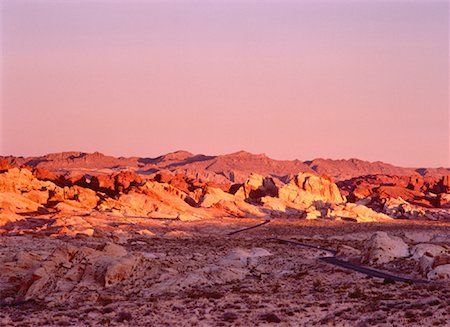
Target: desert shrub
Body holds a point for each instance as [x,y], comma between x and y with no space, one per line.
[357,293]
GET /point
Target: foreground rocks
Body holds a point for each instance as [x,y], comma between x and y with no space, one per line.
[191,273]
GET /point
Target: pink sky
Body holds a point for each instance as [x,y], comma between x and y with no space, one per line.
[292,79]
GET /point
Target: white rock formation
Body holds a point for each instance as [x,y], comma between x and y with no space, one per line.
[382,248]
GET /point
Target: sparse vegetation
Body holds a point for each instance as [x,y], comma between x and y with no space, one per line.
[357,293]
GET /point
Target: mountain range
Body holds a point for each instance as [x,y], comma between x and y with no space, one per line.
[234,167]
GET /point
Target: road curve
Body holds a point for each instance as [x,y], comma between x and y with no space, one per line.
[248,228]
[334,260]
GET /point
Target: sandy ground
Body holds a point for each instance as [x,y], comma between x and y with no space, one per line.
[193,274]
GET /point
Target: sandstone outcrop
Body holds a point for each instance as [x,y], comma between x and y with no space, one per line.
[255,187]
[282,208]
[359,213]
[237,208]
[178,195]
[5,165]
[308,188]
[7,215]
[22,181]
[80,197]
[444,200]
[54,177]
[154,200]
[115,183]
[212,196]
[18,203]
[68,268]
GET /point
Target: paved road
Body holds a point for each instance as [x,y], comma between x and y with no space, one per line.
[334,260]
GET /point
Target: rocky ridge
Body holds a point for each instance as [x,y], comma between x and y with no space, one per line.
[231,168]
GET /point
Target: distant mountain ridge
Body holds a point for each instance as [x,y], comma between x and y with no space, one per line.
[234,167]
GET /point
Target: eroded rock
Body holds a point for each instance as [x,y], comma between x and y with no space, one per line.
[382,248]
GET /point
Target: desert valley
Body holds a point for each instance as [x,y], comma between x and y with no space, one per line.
[103,223]
[238,239]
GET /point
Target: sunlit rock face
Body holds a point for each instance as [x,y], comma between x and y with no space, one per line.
[357,212]
[212,196]
[308,188]
[257,186]
[22,181]
[174,193]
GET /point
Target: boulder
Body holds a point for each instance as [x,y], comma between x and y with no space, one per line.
[440,272]
[281,208]
[441,259]
[153,199]
[275,204]
[114,250]
[430,250]
[15,180]
[120,269]
[382,248]
[124,180]
[244,258]
[365,186]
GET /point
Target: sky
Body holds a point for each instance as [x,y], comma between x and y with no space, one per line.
[336,79]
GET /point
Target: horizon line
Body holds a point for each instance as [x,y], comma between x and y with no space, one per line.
[222,154]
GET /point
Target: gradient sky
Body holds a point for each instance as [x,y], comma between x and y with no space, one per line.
[292,79]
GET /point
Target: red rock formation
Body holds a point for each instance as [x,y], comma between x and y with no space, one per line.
[443,186]
[58,179]
[414,189]
[187,183]
[256,187]
[115,183]
[5,165]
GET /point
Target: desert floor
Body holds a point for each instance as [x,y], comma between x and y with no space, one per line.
[194,274]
